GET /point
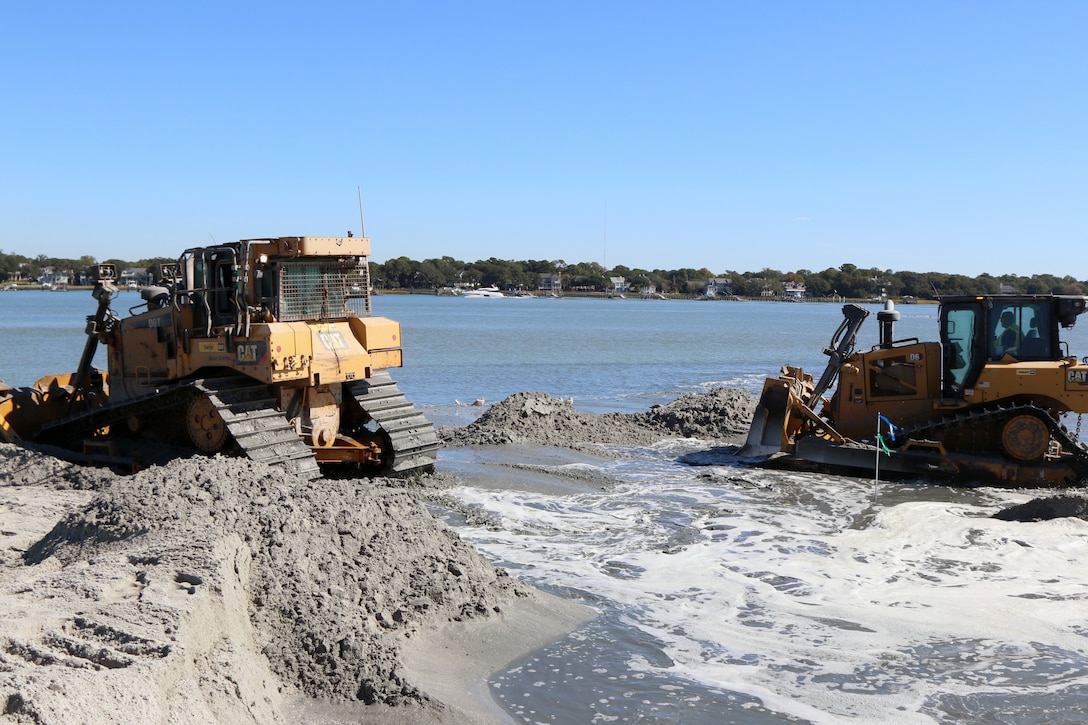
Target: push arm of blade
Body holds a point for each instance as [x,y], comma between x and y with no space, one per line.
[820,423]
[842,347]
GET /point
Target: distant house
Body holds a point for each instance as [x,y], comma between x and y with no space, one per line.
[1007,289]
[795,291]
[717,286]
[53,278]
[134,276]
[551,283]
[462,284]
[619,285]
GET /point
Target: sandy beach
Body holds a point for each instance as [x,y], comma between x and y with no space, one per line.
[220,590]
[172,598]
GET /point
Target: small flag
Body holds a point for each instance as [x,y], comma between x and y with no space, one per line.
[891,426]
[882,445]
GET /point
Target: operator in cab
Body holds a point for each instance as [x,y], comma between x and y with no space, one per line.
[1007,337]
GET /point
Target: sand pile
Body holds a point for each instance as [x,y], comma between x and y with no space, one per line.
[220,590]
[210,589]
[1044,509]
[538,418]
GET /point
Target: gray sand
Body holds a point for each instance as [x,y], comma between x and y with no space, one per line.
[219,590]
[723,414]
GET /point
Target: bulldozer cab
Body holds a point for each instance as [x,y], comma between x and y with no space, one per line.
[208,285]
[979,330]
[286,280]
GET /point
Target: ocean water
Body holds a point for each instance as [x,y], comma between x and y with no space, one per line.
[609,355]
[725,593]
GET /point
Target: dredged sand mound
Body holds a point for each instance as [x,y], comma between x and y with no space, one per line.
[723,414]
[212,590]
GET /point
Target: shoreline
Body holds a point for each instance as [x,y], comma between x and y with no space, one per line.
[453,664]
[166,595]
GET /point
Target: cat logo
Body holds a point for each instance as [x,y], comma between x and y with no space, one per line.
[249,353]
[1078,377]
[333,340]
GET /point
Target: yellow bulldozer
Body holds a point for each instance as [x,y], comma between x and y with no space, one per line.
[985,404]
[263,345]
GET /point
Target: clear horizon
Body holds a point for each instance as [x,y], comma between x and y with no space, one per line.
[928,137]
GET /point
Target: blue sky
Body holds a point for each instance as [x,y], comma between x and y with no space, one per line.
[923,136]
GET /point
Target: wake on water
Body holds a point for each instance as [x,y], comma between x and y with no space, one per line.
[730,593]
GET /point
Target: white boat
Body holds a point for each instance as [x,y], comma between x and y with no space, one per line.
[483,292]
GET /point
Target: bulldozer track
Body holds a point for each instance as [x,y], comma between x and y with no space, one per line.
[412,437]
[1077,451]
[86,422]
[261,431]
[248,409]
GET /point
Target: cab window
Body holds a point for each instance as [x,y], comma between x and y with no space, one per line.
[958,333]
[1021,330]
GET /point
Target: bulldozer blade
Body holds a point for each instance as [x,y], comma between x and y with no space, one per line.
[768,432]
[8,434]
[23,411]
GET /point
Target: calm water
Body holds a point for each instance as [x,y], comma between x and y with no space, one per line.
[609,355]
[726,594]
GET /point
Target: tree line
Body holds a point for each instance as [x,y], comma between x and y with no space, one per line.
[847,280]
[19,267]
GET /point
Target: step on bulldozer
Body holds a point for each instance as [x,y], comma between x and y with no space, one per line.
[263,345]
[984,405]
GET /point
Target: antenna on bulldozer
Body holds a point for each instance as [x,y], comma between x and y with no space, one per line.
[365,261]
[362,226]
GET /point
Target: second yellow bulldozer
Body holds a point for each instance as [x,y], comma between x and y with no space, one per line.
[984,404]
[264,345]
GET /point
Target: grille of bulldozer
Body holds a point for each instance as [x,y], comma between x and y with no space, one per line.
[318,290]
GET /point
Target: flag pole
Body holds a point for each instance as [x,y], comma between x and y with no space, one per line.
[876,470]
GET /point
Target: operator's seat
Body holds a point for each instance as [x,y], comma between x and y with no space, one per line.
[1033,345]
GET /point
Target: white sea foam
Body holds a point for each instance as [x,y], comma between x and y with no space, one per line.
[823,598]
